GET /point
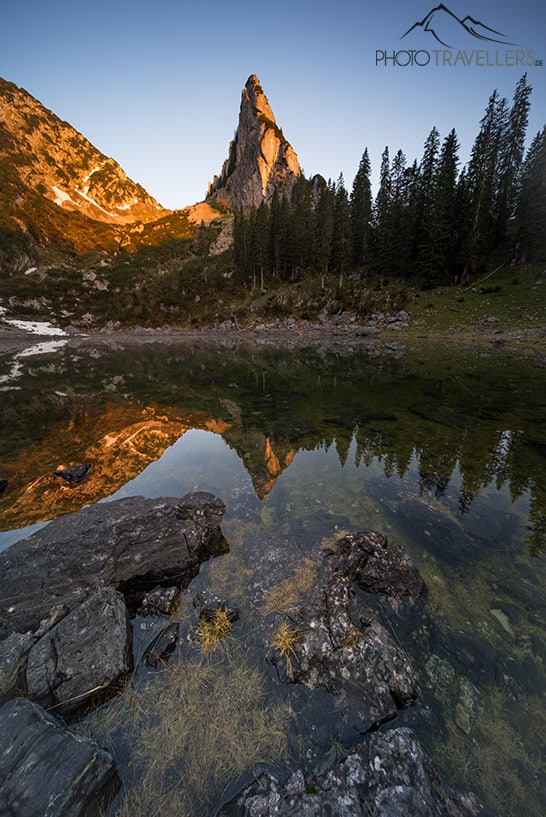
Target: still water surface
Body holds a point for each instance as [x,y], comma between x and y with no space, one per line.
[442,450]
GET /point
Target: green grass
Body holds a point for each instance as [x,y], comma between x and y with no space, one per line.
[512,299]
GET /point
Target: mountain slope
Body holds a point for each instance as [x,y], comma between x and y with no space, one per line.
[260,161]
[49,156]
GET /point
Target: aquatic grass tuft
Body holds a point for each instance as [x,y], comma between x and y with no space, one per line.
[213,630]
[284,642]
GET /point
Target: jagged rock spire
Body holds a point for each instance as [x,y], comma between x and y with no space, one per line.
[260,161]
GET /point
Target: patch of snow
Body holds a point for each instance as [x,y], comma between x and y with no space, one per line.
[86,178]
[37,327]
[34,327]
[61,196]
[83,194]
[30,269]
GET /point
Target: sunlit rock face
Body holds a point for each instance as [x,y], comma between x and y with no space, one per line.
[261,161]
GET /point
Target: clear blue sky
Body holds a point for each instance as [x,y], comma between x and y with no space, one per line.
[157,85]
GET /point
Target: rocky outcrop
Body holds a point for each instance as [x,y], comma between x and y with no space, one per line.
[47,770]
[82,655]
[341,639]
[261,161]
[387,775]
[131,544]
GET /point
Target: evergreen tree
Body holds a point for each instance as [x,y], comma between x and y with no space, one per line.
[531,205]
[511,155]
[323,226]
[260,242]
[382,218]
[278,226]
[300,227]
[341,236]
[425,193]
[442,236]
[400,221]
[361,210]
[482,178]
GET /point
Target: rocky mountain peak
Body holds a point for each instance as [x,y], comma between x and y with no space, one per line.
[261,161]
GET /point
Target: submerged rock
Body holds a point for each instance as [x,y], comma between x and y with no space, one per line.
[341,638]
[47,770]
[160,647]
[387,775]
[132,544]
[207,605]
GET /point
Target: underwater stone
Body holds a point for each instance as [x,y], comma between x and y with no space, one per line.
[387,775]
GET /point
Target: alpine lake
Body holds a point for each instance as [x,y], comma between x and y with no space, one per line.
[441,448]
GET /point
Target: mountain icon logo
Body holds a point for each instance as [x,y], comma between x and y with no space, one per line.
[445,26]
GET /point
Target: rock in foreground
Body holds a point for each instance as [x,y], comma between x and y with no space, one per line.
[346,633]
[82,655]
[387,775]
[47,771]
[133,542]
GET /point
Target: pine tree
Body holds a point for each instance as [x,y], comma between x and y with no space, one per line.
[361,210]
[511,155]
[382,218]
[300,227]
[341,237]
[400,219]
[323,226]
[482,178]
[531,205]
[425,193]
[442,237]
[260,242]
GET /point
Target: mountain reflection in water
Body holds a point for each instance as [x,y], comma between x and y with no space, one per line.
[121,409]
[440,449]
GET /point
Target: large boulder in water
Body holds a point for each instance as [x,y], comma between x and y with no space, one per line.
[342,633]
[132,543]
